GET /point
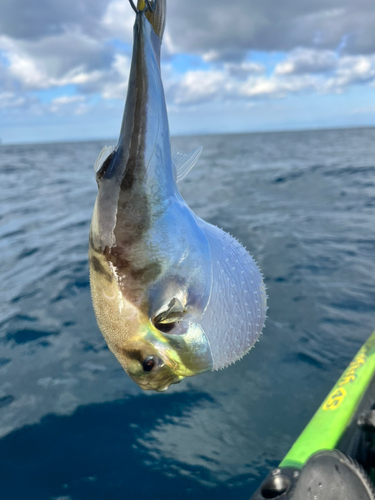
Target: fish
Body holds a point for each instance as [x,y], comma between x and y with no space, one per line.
[174,296]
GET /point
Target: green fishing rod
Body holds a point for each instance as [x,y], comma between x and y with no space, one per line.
[334,457]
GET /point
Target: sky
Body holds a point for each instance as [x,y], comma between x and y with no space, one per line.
[228,66]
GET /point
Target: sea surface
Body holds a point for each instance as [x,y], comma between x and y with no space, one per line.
[73,426]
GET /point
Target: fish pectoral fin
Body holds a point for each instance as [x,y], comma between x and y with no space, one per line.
[103,160]
[184,162]
[173,313]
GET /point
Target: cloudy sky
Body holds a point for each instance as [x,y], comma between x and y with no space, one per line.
[228,66]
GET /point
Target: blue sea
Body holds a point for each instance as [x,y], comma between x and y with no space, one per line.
[73,426]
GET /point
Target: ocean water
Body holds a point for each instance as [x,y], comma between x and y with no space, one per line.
[73,426]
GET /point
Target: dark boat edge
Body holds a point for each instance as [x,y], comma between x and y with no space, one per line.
[334,457]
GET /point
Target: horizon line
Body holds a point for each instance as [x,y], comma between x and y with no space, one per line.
[197,134]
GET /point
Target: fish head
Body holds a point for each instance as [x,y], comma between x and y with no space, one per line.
[155,334]
[155,360]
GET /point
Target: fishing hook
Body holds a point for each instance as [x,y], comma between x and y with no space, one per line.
[149,6]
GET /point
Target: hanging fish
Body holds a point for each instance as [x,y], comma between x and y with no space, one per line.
[173,295]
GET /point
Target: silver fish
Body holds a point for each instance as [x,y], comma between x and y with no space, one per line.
[173,295]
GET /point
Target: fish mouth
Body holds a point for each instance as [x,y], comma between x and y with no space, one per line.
[158,383]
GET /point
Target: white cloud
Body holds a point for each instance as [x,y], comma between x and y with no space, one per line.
[302,60]
[219,85]
[199,85]
[327,49]
[277,87]
[243,69]
[58,60]
[64,99]
[69,104]
[115,87]
[351,70]
[302,71]
[118,20]
[11,100]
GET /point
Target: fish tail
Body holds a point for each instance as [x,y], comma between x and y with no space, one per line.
[156,16]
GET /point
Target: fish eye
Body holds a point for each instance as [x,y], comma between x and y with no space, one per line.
[150,362]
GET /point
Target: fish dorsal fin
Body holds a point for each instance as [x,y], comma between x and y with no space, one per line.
[101,160]
[184,162]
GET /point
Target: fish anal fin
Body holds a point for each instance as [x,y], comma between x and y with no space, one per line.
[184,162]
